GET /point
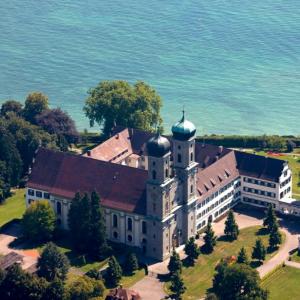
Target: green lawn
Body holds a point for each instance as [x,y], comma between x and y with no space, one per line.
[199,277]
[283,284]
[295,257]
[13,207]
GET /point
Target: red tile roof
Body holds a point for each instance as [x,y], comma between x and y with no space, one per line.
[120,187]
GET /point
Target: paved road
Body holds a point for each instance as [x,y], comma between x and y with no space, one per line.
[150,288]
[291,229]
[293,264]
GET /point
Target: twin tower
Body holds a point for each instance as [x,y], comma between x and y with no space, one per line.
[171,189]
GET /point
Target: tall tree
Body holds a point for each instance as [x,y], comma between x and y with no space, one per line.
[11,106]
[238,282]
[131,263]
[80,221]
[98,247]
[270,218]
[191,250]
[175,264]
[242,257]
[56,121]
[177,285]
[259,250]
[118,103]
[210,239]
[231,228]
[53,264]
[38,221]
[113,273]
[275,238]
[35,104]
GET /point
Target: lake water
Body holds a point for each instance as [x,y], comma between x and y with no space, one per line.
[235,65]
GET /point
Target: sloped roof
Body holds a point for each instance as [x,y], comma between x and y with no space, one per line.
[260,167]
[10,259]
[123,294]
[221,172]
[62,174]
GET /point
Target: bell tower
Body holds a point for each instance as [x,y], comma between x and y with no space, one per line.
[186,170]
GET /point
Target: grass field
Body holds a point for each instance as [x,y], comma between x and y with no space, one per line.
[13,207]
[283,284]
[199,277]
[295,257]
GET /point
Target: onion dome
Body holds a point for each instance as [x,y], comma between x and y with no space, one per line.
[158,146]
[183,130]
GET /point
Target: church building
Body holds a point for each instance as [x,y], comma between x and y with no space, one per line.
[159,191]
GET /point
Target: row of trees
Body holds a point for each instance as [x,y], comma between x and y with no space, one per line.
[237,281]
[49,283]
[23,130]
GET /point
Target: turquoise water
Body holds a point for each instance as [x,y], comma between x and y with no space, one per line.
[234,64]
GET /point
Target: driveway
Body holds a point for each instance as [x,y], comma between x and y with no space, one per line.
[150,288]
[7,237]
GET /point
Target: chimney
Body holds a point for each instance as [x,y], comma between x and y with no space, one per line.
[220,149]
[117,136]
[89,153]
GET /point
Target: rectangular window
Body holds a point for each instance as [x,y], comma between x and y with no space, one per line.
[30,192]
[39,194]
[46,195]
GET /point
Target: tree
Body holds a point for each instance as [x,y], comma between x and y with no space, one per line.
[56,121]
[114,272]
[177,285]
[19,285]
[80,222]
[231,228]
[270,218]
[35,104]
[116,102]
[175,264]
[85,288]
[191,250]
[131,263]
[9,155]
[275,238]
[209,239]
[98,247]
[242,257]
[290,146]
[259,250]
[237,282]
[39,221]
[55,290]
[28,138]
[53,264]
[11,106]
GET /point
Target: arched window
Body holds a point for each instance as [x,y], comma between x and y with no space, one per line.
[115,234]
[153,174]
[58,208]
[192,156]
[167,172]
[179,158]
[129,238]
[192,189]
[129,224]
[115,221]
